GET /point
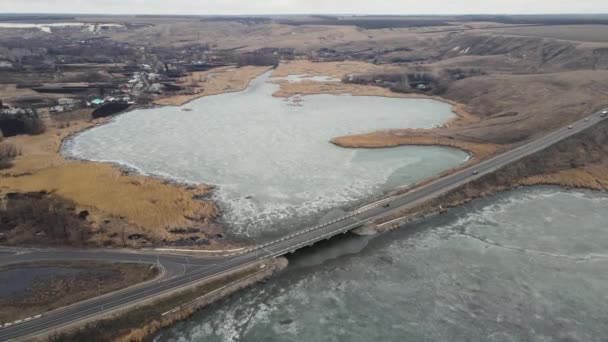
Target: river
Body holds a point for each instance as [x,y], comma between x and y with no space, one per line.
[526,265]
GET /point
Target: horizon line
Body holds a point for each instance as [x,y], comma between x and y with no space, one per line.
[304,14]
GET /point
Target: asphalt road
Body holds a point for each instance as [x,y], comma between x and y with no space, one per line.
[183,271]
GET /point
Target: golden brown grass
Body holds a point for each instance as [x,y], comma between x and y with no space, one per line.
[137,323]
[333,69]
[147,202]
[341,69]
[213,82]
[150,205]
[152,327]
[230,283]
[594,177]
[310,87]
[412,137]
[463,116]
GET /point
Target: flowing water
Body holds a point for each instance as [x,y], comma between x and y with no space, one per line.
[272,162]
[527,265]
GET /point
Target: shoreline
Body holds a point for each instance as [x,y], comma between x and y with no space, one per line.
[422,212]
[54,158]
[122,174]
[558,171]
[132,170]
[378,139]
[157,313]
[174,100]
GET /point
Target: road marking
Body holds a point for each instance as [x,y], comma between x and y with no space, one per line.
[6,325]
[171,311]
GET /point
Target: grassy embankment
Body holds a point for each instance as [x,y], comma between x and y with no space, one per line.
[137,323]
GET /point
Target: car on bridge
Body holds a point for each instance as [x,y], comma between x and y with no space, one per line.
[604,113]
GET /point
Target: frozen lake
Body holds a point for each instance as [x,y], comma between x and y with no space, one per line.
[272,162]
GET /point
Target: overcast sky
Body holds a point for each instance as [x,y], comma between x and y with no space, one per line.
[304,6]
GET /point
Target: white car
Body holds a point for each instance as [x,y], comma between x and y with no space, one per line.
[570,127]
[586,119]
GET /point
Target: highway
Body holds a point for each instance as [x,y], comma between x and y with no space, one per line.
[182,271]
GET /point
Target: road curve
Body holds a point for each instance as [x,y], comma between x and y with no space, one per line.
[201,268]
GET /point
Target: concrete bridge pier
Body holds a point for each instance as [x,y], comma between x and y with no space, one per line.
[369,228]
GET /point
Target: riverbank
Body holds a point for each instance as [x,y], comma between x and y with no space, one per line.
[512,267]
[138,322]
[576,162]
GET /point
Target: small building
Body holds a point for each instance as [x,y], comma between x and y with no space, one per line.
[153,76]
[97,102]
[156,88]
[57,109]
[6,64]
[67,101]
